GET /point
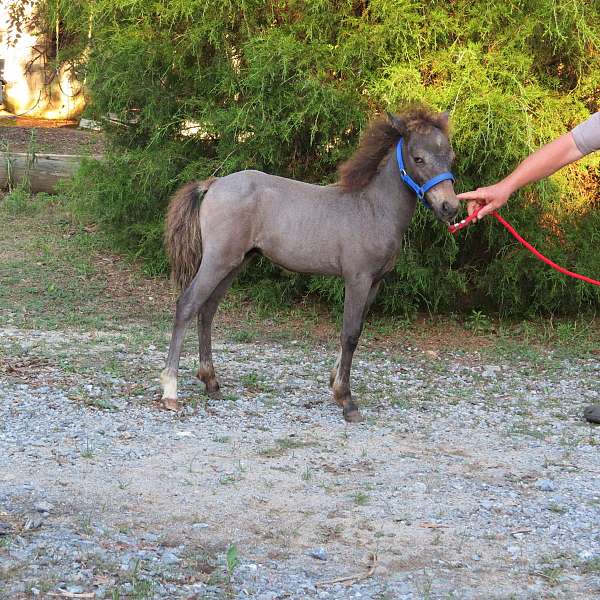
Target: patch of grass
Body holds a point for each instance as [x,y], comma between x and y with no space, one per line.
[222,439]
[565,337]
[85,524]
[526,430]
[283,445]
[237,476]
[478,322]
[42,585]
[115,367]
[95,402]
[56,273]
[552,574]
[290,443]
[6,542]
[141,587]
[244,336]
[591,566]
[88,451]
[307,474]
[401,402]
[271,452]
[253,382]
[13,572]
[232,561]
[19,201]
[228,479]
[361,499]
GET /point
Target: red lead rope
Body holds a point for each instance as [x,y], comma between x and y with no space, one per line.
[511,229]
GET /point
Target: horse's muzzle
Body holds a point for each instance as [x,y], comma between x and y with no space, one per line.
[446,210]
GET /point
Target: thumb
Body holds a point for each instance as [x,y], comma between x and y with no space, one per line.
[486,210]
[472,206]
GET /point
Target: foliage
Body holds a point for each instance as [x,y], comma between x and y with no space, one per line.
[232,561]
[286,86]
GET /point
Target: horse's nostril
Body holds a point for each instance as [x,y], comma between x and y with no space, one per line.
[446,208]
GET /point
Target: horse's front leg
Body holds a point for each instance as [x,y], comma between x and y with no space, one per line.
[356,299]
[370,299]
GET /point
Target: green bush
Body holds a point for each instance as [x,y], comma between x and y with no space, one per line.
[287,86]
[18,201]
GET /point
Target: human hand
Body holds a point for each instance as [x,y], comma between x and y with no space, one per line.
[488,199]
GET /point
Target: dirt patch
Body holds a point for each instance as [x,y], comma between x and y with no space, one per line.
[24,135]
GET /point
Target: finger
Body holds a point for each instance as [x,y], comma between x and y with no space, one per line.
[474,195]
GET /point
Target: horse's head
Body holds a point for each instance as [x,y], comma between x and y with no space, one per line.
[427,153]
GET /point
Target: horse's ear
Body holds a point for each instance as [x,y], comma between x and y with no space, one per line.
[395,121]
[444,118]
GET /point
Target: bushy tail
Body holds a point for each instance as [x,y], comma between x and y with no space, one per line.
[183,239]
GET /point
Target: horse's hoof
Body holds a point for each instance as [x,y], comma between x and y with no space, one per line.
[215,394]
[170,404]
[353,416]
[592,413]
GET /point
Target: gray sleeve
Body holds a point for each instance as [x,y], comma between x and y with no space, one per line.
[587,134]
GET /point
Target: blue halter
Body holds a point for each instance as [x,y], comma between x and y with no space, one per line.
[419,190]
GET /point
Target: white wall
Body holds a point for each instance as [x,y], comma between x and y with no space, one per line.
[25,93]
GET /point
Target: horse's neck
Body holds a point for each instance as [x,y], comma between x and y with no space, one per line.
[390,196]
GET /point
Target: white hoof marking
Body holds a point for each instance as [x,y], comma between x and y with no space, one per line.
[169,385]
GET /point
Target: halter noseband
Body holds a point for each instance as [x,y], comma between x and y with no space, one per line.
[419,190]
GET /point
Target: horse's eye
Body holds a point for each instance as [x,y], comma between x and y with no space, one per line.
[418,160]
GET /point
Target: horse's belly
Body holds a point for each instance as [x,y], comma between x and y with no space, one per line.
[303,258]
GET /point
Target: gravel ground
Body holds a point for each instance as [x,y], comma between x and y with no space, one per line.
[470,478]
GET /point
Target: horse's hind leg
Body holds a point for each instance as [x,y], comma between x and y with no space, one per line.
[355,306]
[210,274]
[206,369]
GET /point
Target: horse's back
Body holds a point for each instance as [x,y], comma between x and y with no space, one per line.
[258,194]
[244,183]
